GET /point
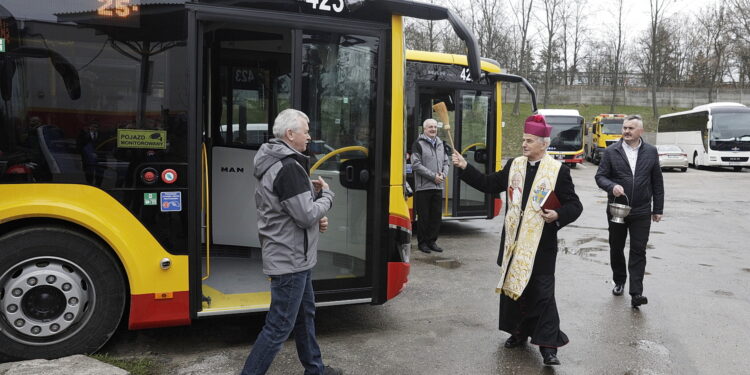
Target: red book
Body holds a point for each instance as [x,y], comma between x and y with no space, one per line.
[551,202]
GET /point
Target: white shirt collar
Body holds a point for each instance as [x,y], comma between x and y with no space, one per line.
[625,144]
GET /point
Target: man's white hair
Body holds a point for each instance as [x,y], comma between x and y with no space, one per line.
[288,119]
[429,120]
[545,140]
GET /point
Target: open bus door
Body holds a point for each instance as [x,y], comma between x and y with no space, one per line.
[254,65]
[471,114]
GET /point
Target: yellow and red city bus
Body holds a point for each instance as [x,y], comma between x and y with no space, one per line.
[567,137]
[127,131]
[475,113]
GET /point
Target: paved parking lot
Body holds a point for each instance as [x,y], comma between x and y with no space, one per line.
[445,322]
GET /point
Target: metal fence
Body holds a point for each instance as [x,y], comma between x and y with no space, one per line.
[629,96]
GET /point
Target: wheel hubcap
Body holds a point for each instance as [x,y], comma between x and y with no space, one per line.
[42,298]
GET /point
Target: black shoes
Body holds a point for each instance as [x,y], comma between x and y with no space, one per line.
[423,247]
[332,371]
[618,289]
[436,248]
[638,300]
[550,356]
[515,341]
[429,247]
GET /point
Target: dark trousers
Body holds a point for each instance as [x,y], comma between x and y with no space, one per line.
[427,204]
[639,227]
[292,308]
[534,314]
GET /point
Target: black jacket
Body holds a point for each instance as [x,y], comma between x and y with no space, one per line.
[647,184]
[570,210]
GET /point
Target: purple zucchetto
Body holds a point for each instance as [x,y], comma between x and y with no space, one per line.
[536,125]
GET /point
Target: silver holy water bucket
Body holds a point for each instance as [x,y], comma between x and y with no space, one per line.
[619,211]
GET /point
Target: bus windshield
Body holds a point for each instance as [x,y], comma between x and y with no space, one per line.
[730,131]
[566,132]
[612,126]
[731,126]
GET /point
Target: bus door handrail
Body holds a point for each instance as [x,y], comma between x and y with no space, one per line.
[206,199]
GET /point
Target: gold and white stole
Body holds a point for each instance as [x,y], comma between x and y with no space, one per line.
[521,245]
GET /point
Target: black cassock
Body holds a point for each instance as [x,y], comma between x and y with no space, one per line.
[535,312]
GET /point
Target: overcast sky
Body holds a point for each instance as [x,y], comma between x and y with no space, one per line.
[636,13]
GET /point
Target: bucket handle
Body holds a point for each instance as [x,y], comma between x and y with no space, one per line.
[626,199]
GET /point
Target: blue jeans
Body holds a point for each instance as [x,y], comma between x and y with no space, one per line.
[292,307]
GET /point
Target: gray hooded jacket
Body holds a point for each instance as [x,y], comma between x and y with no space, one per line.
[427,161]
[288,209]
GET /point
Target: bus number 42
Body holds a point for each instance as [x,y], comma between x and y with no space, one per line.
[327,5]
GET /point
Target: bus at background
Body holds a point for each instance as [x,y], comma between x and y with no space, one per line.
[127,131]
[712,135]
[566,139]
[475,113]
[605,130]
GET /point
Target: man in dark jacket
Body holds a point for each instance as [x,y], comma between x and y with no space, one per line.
[291,213]
[528,244]
[631,168]
[430,164]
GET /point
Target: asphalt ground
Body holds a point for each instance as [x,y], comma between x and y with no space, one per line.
[445,321]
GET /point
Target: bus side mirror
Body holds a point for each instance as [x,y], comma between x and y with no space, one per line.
[355,173]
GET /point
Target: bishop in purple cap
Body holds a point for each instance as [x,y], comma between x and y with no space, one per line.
[532,314]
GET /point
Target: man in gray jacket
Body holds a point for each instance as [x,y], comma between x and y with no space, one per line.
[430,164]
[291,215]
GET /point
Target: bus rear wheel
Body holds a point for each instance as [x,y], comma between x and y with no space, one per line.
[61,293]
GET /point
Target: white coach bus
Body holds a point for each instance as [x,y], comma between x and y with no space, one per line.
[715,134]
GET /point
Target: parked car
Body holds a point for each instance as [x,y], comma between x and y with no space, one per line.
[672,156]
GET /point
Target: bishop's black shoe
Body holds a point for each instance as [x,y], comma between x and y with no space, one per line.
[423,247]
[434,247]
[550,356]
[638,300]
[617,290]
[515,341]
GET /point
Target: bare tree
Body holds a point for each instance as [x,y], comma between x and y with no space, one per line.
[617,44]
[423,35]
[579,30]
[657,8]
[522,12]
[739,14]
[713,21]
[566,26]
[487,22]
[551,26]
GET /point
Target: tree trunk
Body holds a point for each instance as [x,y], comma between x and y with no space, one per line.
[614,92]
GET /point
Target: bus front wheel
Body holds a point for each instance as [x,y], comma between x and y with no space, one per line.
[61,293]
[695,161]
